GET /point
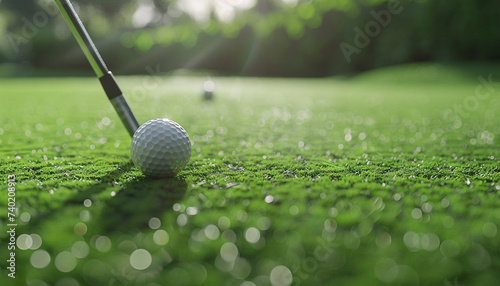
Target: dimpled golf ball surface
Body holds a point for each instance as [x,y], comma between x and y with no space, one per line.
[160,148]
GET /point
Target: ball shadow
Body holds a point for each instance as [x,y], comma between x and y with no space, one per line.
[136,203]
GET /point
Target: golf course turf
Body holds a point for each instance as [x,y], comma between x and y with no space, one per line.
[388,178]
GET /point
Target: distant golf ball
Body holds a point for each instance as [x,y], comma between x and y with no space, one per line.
[208,89]
[160,148]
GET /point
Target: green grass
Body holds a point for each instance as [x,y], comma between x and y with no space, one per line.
[373,180]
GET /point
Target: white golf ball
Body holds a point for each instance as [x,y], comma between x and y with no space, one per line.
[160,148]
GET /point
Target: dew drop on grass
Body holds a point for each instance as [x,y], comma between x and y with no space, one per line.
[37,241]
[411,240]
[445,203]
[80,249]
[252,235]
[242,215]
[85,215]
[211,232]
[161,237]
[80,229]
[40,259]
[263,223]
[489,230]
[269,199]
[333,212]
[192,211]
[330,225]
[182,220]
[281,276]
[241,269]
[427,207]
[140,259]
[103,244]
[87,203]
[176,207]
[105,121]
[229,252]
[416,213]
[154,223]
[65,261]
[224,223]
[25,217]
[229,235]
[24,241]
[429,241]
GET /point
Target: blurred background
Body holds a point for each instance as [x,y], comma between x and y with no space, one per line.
[290,38]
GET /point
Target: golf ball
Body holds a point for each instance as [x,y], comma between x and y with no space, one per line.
[160,148]
[208,89]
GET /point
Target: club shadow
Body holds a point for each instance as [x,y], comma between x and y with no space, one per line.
[52,210]
[137,202]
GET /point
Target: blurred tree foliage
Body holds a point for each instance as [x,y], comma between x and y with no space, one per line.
[254,37]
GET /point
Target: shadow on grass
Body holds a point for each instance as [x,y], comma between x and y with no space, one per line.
[131,208]
[136,203]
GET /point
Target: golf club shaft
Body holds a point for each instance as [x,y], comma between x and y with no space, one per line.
[105,76]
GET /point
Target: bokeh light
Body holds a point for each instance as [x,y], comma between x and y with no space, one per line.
[140,259]
[229,252]
[40,258]
[65,261]
[24,241]
[80,249]
[37,241]
[161,237]
[281,276]
[154,223]
[103,243]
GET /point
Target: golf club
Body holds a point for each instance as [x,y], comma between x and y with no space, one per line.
[105,76]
